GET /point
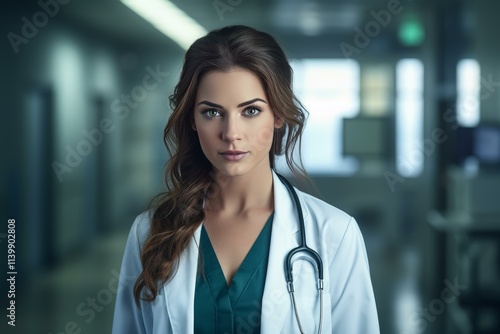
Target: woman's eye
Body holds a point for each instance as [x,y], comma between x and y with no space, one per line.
[252,111]
[211,113]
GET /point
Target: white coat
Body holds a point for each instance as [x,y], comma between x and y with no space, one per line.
[349,304]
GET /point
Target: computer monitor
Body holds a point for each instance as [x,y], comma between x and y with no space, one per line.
[367,137]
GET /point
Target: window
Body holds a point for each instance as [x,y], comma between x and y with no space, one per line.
[409,117]
[329,90]
[468,88]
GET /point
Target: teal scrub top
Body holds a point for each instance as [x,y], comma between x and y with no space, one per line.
[219,308]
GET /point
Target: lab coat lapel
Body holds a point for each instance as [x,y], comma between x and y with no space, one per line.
[276,301]
[179,292]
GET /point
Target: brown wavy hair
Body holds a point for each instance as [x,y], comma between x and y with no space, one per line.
[178,211]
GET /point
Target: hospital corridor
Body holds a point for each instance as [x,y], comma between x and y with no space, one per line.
[402,133]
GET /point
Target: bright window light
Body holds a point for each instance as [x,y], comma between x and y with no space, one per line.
[329,89]
[376,90]
[409,117]
[169,19]
[468,89]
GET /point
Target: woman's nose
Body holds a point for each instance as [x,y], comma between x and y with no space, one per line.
[231,128]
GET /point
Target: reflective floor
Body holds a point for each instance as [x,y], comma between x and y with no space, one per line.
[77,295]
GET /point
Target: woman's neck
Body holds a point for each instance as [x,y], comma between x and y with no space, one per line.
[236,195]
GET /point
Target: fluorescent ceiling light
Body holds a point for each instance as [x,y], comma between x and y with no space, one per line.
[169,19]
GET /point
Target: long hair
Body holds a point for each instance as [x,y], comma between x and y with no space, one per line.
[178,211]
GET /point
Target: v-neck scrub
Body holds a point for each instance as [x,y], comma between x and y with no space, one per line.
[219,308]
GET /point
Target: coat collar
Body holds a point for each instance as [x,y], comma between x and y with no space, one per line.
[180,290]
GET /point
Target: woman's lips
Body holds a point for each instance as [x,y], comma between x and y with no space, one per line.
[236,156]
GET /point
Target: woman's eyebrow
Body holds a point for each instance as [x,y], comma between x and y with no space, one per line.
[251,101]
[211,104]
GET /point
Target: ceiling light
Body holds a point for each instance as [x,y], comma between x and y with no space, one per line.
[169,19]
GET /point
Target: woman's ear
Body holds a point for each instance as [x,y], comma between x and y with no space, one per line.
[193,125]
[278,122]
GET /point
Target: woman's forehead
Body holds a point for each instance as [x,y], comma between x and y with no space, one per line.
[230,87]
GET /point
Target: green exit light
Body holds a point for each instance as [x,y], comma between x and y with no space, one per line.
[411,32]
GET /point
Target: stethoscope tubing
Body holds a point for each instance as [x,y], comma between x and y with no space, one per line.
[302,248]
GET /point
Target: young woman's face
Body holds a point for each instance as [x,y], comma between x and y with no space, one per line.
[234,121]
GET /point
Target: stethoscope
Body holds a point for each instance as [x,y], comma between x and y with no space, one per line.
[308,254]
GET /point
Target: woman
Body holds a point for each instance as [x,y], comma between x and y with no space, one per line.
[210,256]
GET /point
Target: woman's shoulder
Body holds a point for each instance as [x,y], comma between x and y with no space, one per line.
[139,231]
[333,227]
[324,211]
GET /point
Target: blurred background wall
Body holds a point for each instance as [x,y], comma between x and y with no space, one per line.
[404,103]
